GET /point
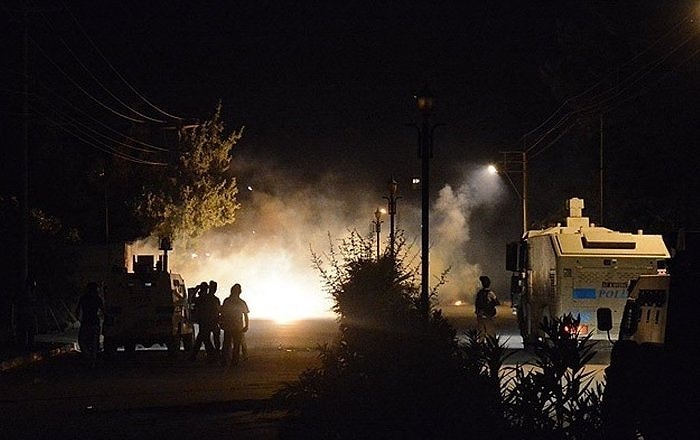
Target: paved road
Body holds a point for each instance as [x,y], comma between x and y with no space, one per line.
[151,395]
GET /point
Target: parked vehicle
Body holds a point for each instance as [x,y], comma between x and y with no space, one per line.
[147,306]
[578,268]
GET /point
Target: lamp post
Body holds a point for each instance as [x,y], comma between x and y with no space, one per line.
[517,158]
[391,199]
[424,102]
[378,227]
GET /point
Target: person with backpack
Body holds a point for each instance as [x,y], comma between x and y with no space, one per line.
[234,322]
[485,309]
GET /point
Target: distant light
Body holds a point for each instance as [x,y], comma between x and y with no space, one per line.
[208,254]
[250,188]
[492,169]
[383,211]
[415,181]
[458,303]
[194,255]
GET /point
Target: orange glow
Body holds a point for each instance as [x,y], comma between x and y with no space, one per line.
[276,284]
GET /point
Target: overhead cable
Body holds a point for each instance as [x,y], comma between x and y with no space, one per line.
[116,72]
[89,72]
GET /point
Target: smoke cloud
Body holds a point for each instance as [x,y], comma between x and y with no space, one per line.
[268,248]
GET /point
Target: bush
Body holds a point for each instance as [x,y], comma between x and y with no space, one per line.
[556,398]
[392,374]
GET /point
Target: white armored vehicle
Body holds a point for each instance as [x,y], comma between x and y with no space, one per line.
[578,268]
[147,306]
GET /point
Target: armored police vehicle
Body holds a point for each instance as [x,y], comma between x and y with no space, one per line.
[578,268]
[146,307]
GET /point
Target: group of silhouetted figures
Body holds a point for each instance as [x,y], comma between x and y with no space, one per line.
[231,316]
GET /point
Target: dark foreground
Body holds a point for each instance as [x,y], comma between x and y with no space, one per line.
[149,395]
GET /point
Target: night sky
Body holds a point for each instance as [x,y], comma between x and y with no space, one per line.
[326,89]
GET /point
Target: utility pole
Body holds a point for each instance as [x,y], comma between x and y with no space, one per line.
[601,171]
[506,170]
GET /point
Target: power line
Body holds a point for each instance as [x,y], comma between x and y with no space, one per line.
[89,72]
[79,87]
[75,122]
[601,97]
[97,121]
[603,103]
[111,66]
[608,76]
[97,144]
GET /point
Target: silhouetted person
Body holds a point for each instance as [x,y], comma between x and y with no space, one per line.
[234,321]
[485,308]
[206,307]
[90,310]
[26,325]
[216,330]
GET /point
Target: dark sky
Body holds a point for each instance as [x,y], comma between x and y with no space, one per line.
[326,88]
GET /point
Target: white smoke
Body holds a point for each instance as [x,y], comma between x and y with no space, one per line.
[268,248]
[452,222]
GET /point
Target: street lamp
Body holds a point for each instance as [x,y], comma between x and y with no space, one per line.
[424,102]
[393,187]
[378,227]
[518,158]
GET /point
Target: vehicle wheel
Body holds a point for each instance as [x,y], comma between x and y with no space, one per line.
[188,341]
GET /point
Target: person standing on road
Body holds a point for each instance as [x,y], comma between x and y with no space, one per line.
[90,311]
[234,321]
[485,309]
[216,329]
[206,308]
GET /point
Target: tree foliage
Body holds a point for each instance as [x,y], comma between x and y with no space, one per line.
[198,193]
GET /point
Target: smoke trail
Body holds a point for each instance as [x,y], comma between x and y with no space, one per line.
[462,235]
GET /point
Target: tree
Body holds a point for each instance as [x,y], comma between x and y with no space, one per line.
[198,192]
